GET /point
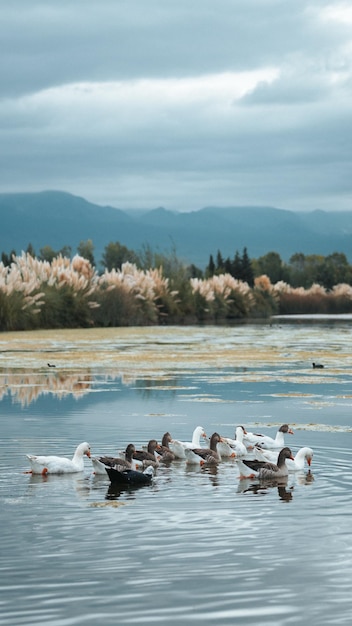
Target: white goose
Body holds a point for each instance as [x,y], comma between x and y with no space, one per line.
[293,465]
[266,442]
[58,464]
[233,447]
[178,447]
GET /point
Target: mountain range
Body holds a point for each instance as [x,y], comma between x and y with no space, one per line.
[58,219]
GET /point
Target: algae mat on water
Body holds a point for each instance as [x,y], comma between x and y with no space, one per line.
[153,349]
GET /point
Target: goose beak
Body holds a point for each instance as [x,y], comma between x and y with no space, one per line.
[290,431]
[309,460]
[88,453]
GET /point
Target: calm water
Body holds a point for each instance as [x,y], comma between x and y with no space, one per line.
[196,546]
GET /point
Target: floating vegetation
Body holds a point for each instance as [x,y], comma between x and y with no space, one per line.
[115,504]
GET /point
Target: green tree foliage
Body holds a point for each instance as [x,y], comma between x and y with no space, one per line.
[48,254]
[30,250]
[240,267]
[86,250]
[247,274]
[220,263]
[272,265]
[236,265]
[6,259]
[115,254]
[334,270]
[210,269]
[305,270]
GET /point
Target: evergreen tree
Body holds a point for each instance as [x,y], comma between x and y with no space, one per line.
[247,270]
[219,263]
[228,266]
[6,259]
[237,266]
[30,250]
[210,269]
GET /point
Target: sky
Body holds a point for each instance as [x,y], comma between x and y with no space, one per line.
[178,103]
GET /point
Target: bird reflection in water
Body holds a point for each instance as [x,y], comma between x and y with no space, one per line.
[115,491]
[264,486]
[212,472]
[305,478]
[57,484]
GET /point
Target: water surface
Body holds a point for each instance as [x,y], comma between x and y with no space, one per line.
[198,546]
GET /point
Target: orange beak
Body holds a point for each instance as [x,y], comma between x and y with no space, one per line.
[88,454]
[290,431]
[309,460]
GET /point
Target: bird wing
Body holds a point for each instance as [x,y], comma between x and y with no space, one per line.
[258,465]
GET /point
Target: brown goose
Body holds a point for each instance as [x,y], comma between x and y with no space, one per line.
[166,455]
[101,462]
[265,469]
[149,456]
[209,455]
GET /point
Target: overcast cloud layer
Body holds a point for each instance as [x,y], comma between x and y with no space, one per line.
[179,103]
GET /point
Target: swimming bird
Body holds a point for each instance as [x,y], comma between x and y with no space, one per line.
[317,366]
[57,464]
[210,455]
[178,447]
[128,462]
[265,469]
[264,441]
[129,477]
[149,456]
[303,455]
[166,455]
[236,446]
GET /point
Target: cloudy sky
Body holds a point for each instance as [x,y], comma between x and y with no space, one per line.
[178,103]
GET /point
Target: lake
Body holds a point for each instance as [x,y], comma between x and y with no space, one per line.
[198,545]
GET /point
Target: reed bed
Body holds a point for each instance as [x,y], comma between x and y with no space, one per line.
[69,293]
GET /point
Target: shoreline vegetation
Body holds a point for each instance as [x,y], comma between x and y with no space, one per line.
[71,293]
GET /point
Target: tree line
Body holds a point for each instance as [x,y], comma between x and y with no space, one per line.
[300,271]
[58,290]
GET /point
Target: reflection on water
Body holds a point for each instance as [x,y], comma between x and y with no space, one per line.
[26,387]
[198,545]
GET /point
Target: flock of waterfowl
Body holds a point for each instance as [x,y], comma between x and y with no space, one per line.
[256,456]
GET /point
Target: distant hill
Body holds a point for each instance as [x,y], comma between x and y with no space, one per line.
[60,219]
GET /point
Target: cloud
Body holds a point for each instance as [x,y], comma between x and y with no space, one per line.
[184,104]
